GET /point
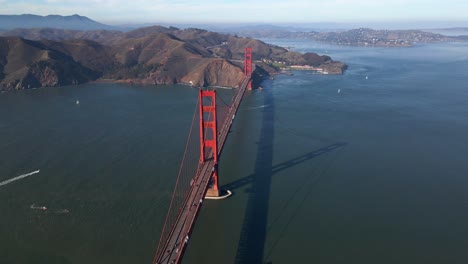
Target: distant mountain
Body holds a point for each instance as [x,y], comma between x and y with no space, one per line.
[454,32]
[62,34]
[457,28]
[152,55]
[77,22]
[271,28]
[463,37]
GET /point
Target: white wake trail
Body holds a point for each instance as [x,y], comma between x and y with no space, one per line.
[257,107]
[18,178]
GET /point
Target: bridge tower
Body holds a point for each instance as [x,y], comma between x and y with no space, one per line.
[209,126]
[209,136]
[248,66]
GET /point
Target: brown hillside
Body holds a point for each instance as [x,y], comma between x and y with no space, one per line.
[155,48]
[86,52]
[260,50]
[28,64]
[154,55]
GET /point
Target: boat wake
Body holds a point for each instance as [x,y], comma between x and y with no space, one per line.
[44,208]
[18,178]
[257,107]
[33,206]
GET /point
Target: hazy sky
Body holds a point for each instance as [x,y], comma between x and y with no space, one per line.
[302,11]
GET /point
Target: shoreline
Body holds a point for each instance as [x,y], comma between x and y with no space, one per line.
[139,82]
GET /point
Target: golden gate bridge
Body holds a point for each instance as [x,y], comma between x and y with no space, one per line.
[198,176]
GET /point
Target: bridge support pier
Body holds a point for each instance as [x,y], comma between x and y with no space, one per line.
[213,188]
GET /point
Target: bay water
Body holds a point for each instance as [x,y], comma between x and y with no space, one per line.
[366,167]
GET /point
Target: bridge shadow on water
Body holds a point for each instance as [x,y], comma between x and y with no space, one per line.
[251,244]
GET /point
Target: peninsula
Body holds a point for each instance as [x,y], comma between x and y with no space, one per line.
[31,58]
[359,37]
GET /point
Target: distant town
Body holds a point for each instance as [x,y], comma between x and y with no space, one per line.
[391,38]
[360,37]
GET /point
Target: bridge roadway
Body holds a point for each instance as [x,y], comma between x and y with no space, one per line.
[180,234]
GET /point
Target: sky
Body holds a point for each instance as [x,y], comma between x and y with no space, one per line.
[246,11]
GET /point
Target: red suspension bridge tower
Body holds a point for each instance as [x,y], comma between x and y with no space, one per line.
[209,136]
[209,125]
[248,66]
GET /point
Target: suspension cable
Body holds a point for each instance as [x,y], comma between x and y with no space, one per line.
[160,243]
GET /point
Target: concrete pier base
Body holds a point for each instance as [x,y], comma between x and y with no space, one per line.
[212,192]
[220,195]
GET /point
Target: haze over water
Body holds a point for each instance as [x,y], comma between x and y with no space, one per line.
[374,173]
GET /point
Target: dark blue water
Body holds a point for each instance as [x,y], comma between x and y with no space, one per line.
[109,161]
[375,173]
[325,169]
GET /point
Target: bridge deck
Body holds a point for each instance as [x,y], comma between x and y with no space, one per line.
[175,245]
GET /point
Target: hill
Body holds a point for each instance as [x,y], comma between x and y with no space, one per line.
[30,64]
[77,22]
[152,55]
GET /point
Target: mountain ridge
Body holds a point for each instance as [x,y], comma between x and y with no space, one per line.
[77,22]
[152,55]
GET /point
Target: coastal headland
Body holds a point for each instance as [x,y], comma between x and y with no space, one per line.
[33,58]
